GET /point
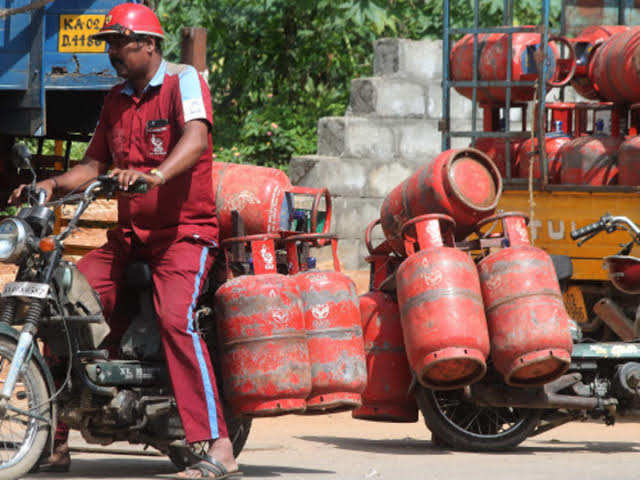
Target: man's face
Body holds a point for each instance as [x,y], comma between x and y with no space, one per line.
[129,57]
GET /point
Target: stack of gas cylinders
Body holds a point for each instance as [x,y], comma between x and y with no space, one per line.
[445,297]
[590,143]
[290,335]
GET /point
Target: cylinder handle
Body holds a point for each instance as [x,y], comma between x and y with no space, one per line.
[564,64]
[425,235]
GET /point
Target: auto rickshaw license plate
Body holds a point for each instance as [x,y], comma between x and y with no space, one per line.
[574,303]
[73,36]
[26,289]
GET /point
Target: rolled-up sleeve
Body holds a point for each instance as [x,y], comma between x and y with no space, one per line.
[195,99]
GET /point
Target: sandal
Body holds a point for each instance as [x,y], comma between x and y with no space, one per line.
[45,465]
[211,469]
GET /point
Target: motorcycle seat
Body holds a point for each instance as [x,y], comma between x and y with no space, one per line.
[138,275]
[563,266]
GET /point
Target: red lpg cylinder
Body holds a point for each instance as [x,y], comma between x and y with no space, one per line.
[613,69]
[591,160]
[492,65]
[265,356]
[382,262]
[441,310]
[528,324]
[464,184]
[554,141]
[629,162]
[334,338]
[386,397]
[585,44]
[263,203]
[496,149]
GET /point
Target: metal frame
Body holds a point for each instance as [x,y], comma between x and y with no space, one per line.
[508,84]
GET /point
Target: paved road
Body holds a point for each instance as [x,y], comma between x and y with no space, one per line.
[335,447]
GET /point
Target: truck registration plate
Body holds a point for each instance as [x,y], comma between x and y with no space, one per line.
[26,289]
[73,36]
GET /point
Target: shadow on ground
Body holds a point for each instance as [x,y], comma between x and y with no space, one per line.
[410,446]
[151,468]
[401,446]
[268,471]
[123,468]
[586,446]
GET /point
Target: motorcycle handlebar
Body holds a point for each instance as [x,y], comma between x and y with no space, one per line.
[589,229]
[111,183]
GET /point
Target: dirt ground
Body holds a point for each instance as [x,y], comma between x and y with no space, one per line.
[338,447]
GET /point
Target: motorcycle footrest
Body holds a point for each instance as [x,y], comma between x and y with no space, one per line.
[93,355]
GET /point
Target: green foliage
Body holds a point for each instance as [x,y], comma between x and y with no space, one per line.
[290,62]
[9,211]
[48,147]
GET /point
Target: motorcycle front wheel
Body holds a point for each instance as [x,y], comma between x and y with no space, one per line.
[23,437]
[463,425]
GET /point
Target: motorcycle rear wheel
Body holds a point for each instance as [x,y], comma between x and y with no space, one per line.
[462,425]
[23,438]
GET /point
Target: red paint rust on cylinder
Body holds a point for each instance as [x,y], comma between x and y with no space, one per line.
[586,43]
[492,65]
[528,323]
[256,193]
[334,338]
[553,144]
[496,149]
[590,160]
[464,184]
[442,315]
[614,69]
[629,162]
[386,397]
[265,356]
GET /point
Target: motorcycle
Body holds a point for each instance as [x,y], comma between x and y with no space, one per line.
[51,304]
[603,381]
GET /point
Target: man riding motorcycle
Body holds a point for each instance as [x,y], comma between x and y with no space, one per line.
[155,127]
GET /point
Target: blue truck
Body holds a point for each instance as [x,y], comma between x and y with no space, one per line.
[53,77]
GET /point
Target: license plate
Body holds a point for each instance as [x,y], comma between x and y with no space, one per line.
[73,36]
[26,289]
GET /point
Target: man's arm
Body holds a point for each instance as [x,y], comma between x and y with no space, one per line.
[81,173]
[184,155]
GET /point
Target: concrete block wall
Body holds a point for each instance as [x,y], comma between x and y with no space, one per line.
[390,129]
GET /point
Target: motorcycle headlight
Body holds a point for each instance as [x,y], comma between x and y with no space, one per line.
[13,240]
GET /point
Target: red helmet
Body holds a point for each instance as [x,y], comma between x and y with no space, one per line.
[131,19]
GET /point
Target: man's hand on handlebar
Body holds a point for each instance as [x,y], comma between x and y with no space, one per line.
[126,178]
[47,185]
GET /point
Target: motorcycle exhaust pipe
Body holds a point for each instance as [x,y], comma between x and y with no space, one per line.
[539,398]
[613,316]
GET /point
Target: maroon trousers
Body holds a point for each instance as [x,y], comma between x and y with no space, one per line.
[179,270]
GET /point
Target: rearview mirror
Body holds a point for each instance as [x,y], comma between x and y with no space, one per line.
[21,156]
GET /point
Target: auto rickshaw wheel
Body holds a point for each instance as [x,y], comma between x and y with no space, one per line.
[463,425]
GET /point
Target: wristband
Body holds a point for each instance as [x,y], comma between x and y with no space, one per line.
[55,183]
[159,174]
